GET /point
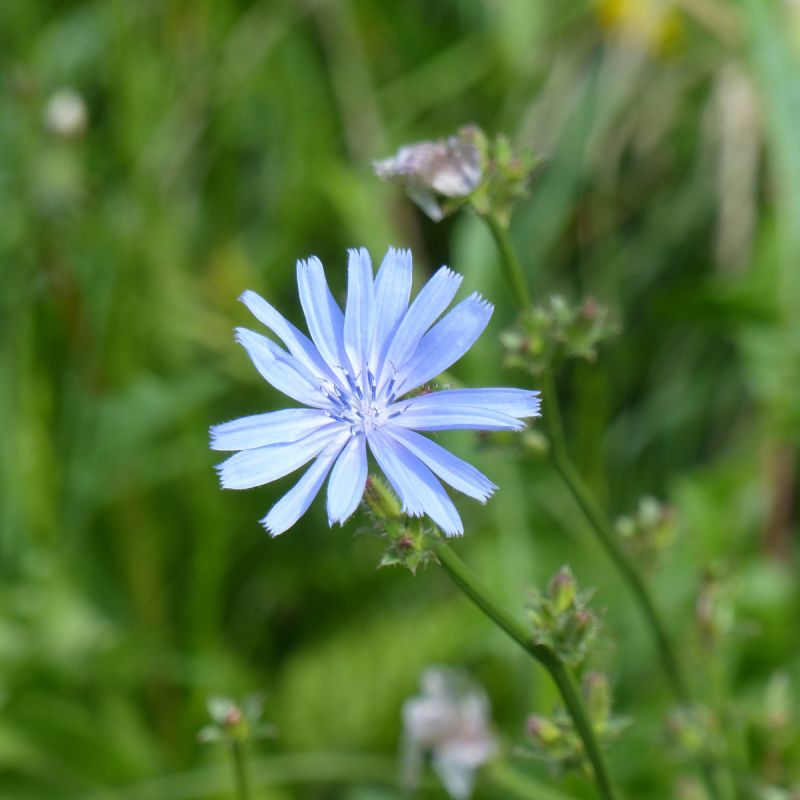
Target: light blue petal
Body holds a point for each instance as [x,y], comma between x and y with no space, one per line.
[346,486]
[411,478]
[515,402]
[324,317]
[438,506]
[451,469]
[358,314]
[296,501]
[297,343]
[249,468]
[386,452]
[424,416]
[280,370]
[510,402]
[392,290]
[260,430]
[445,343]
[428,305]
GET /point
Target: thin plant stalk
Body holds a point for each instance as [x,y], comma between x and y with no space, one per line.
[512,269]
[585,499]
[583,495]
[605,533]
[240,777]
[466,580]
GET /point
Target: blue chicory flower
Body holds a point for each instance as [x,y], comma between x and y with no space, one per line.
[352,376]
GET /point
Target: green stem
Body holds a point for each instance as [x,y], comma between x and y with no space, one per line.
[466,580]
[583,495]
[605,533]
[240,771]
[512,269]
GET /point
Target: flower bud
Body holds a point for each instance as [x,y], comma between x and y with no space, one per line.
[233,722]
[562,620]
[648,531]
[543,731]
[563,589]
[381,500]
[694,733]
[549,334]
[598,697]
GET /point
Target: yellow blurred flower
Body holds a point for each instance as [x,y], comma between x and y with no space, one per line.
[654,25]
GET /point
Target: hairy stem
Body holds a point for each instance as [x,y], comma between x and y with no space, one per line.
[605,533]
[512,270]
[580,491]
[466,580]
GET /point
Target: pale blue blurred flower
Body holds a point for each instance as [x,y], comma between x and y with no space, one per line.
[352,375]
[450,720]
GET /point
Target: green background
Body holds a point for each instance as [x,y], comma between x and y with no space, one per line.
[224,140]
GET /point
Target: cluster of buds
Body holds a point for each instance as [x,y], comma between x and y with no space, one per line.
[549,334]
[772,726]
[648,531]
[467,168]
[506,177]
[234,723]
[408,540]
[555,738]
[694,733]
[715,608]
[562,620]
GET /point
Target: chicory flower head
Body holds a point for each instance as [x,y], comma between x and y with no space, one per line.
[354,377]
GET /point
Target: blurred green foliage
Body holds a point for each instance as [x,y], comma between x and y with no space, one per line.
[222,140]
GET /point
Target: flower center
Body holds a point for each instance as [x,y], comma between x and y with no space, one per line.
[361,406]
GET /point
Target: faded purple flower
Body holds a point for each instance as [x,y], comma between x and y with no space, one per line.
[448,168]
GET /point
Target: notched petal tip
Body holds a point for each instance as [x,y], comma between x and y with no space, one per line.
[451,274]
[488,495]
[398,254]
[220,470]
[412,512]
[536,405]
[305,264]
[269,529]
[478,298]
[359,252]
